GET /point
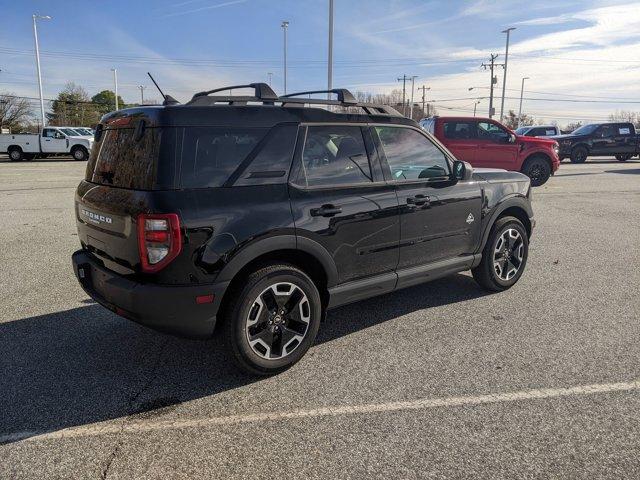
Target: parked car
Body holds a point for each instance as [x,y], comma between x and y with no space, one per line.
[538,131]
[615,139]
[484,142]
[52,141]
[259,213]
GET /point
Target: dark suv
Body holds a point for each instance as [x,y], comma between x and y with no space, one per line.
[259,213]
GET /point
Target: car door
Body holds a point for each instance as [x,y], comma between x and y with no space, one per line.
[439,217]
[495,149]
[624,138]
[341,201]
[603,140]
[53,141]
[460,137]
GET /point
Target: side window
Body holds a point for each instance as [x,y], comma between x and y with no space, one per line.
[460,130]
[335,155]
[271,164]
[49,133]
[410,155]
[210,154]
[624,129]
[605,131]
[493,133]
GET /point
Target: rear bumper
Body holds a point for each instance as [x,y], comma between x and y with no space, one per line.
[168,308]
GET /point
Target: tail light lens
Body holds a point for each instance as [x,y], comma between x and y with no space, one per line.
[159,240]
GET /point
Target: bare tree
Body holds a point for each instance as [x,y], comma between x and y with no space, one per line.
[15,111]
[625,116]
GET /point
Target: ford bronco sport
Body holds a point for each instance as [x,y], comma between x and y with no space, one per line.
[258,213]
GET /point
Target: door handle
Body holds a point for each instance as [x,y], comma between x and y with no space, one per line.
[419,200]
[327,210]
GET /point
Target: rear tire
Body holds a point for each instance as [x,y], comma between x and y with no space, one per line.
[538,170]
[623,158]
[271,319]
[504,256]
[80,154]
[579,155]
[16,154]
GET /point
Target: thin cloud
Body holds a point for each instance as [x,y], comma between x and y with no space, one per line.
[208,7]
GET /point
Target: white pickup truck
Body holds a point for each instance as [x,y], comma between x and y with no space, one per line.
[52,141]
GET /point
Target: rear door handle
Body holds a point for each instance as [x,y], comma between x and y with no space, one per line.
[419,200]
[327,210]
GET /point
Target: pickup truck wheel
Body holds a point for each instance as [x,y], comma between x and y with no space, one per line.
[623,158]
[16,154]
[579,155]
[538,170]
[504,256]
[79,153]
[272,319]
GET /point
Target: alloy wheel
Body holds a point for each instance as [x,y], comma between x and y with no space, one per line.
[508,254]
[278,320]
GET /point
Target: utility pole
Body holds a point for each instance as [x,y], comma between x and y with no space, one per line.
[521,95]
[413,80]
[494,80]
[424,88]
[285,25]
[35,37]
[141,87]
[270,76]
[115,84]
[504,77]
[404,79]
[330,59]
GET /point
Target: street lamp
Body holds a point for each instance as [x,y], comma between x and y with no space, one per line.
[285,26]
[330,59]
[521,95]
[504,78]
[413,80]
[141,87]
[35,37]
[475,105]
[270,76]
[115,84]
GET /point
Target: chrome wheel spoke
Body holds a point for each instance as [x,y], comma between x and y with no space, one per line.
[508,254]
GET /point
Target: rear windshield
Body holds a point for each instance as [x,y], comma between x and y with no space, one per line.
[120,160]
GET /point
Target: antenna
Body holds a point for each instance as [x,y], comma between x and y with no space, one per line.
[168,99]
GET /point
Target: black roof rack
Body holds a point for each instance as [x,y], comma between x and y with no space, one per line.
[344,95]
[262,91]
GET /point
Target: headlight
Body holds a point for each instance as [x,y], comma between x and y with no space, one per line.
[556,148]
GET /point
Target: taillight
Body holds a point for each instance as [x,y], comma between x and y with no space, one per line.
[159,240]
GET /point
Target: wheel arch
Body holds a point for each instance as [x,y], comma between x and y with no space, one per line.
[516,206]
[535,155]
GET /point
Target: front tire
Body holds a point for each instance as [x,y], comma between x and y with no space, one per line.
[504,256]
[80,154]
[579,155]
[538,170]
[272,319]
[623,158]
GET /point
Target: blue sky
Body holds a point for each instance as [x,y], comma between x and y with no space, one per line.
[191,45]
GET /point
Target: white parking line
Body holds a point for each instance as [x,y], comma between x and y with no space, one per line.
[142,426]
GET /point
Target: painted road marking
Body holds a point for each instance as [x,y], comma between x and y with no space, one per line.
[131,425]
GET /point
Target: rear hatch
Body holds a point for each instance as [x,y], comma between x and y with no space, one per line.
[121,176]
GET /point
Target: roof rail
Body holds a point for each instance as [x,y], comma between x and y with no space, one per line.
[262,91]
[344,95]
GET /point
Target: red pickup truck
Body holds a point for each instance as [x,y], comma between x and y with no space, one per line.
[487,143]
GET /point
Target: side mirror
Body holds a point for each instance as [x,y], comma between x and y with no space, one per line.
[512,138]
[462,171]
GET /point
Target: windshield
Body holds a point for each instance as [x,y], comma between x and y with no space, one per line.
[522,130]
[69,132]
[585,129]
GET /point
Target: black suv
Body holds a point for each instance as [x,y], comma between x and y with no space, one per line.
[259,213]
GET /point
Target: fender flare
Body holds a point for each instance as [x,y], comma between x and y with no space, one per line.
[518,201]
[275,243]
[581,144]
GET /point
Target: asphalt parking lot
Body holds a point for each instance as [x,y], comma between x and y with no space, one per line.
[436,381]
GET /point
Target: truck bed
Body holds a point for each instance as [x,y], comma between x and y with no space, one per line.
[29,142]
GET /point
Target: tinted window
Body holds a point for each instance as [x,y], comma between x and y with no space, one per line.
[335,155]
[411,155]
[492,132]
[605,131]
[460,130]
[49,133]
[211,154]
[624,129]
[122,161]
[537,132]
[272,161]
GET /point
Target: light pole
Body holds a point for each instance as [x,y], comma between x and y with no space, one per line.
[285,26]
[115,84]
[424,88]
[475,105]
[330,59]
[270,76]
[35,37]
[504,78]
[521,95]
[141,87]
[413,80]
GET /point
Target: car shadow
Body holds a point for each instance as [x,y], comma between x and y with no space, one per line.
[86,365]
[630,171]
